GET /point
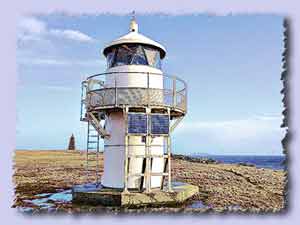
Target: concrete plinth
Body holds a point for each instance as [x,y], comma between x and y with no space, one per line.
[97,195]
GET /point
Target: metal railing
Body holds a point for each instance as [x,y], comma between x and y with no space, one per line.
[106,90]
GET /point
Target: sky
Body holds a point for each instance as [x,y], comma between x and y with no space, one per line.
[232,66]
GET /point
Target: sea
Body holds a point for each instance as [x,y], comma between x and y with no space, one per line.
[276,162]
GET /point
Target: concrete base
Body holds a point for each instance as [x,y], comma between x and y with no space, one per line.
[97,195]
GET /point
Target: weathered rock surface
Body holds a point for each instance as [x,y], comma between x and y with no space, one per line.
[233,187]
[247,188]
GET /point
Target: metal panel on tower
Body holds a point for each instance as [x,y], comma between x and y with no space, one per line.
[160,124]
[137,123]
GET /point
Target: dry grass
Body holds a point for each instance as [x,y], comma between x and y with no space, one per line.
[45,171]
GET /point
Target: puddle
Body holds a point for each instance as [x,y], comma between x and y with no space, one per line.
[43,194]
[25,209]
[41,202]
[197,205]
[65,196]
[177,183]
[48,200]
[88,187]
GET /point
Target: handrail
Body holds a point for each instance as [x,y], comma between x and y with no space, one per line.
[174,92]
[137,72]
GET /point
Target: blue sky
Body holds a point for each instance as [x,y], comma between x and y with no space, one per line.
[232,65]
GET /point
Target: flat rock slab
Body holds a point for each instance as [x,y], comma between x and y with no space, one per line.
[97,195]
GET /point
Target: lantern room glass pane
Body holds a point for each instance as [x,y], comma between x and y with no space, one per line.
[139,57]
[153,57]
[151,54]
[110,57]
[134,54]
[124,55]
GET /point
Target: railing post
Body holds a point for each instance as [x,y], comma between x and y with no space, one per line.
[125,112]
[81,101]
[185,96]
[87,153]
[147,151]
[97,162]
[169,157]
[174,92]
[169,164]
[148,94]
[116,92]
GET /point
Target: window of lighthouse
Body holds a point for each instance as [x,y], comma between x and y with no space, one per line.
[133,54]
[139,57]
[153,57]
[110,57]
[124,55]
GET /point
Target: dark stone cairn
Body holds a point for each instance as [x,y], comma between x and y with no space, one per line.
[71,143]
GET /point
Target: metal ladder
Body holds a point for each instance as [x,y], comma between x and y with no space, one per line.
[92,145]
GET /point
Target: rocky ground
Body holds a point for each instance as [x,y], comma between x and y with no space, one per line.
[222,186]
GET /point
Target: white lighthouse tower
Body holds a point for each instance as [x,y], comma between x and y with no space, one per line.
[134,106]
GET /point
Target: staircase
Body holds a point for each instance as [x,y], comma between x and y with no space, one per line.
[92,147]
[95,131]
[97,126]
[92,138]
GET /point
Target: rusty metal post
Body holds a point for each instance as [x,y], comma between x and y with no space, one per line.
[116,92]
[148,90]
[125,112]
[147,153]
[87,153]
[169,158]
[169,164]
[97,162]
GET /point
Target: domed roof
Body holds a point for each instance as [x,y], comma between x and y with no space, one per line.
[134,37]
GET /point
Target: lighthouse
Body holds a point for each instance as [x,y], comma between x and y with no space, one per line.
[133,66]
[134,106]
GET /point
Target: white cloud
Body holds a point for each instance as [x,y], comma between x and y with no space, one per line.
[30,28]
[60,62]
[32,25]
[236,131]
[38,46]
[249,124]
[42,62]
[254,135]
[58,88]
[72,35]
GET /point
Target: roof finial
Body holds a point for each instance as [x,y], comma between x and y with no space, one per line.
[133,24]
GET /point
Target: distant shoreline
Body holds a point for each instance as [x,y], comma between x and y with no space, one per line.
[207,155]
[275,162]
